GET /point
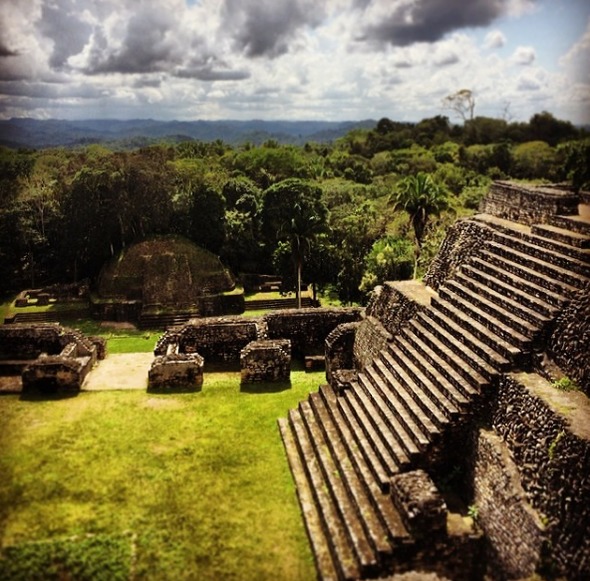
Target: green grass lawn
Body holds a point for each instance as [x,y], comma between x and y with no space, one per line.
[131,485]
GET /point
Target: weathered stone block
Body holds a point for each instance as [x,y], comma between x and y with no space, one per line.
[420,504]
[176,373]
[54,376]
[267,360]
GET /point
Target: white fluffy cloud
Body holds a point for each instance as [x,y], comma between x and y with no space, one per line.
[326,59]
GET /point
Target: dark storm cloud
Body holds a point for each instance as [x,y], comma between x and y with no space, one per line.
[149,45]
[68,33]
[267,27]
[402,24]
[211,74]
[5,51]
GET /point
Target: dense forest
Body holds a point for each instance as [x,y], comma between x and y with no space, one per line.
[346,215]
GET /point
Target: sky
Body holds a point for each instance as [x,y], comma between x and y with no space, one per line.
[326,60]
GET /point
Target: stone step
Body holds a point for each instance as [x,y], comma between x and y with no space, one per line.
[410,355]
[416,424]
[502,228]
[334,530]
[522,296]
[462,296]
[468,382]
[325,566]
[491,294]
[494,325]
[403,443]
[525,280]
[382,522]
[395,426]
[333,476]
[520,270]
[552,264]
[355,402]
[573,223]
[460,362]
[435,409]
[565,236]
[355,440]
[494,351]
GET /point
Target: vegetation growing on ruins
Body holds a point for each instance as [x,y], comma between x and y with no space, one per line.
[64,212]
[195,487]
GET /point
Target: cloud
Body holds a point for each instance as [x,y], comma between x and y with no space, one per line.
[211,74]
[404,22]
[149,45]
[67,31]
[5,51]
[494,39]
[577,59]
[524,55]
[267,27]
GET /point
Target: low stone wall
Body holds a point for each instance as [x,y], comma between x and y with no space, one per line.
[55,375]
[515,536]
[548,435]
[267,360]
[219,339]
[569,344]
[176,373]
[307,329]
[29,341]
[463,239]
[528,204]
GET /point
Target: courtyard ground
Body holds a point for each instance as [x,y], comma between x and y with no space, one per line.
[117,483]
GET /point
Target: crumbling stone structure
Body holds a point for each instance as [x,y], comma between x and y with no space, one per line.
[266,361]
[222,339]
[528,204]
[441,401]
[51,359]
[175,373]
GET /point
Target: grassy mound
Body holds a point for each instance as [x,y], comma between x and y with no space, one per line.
[164,271]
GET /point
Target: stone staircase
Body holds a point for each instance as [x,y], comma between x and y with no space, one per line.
[488,318]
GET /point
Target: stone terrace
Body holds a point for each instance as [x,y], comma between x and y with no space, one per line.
[499,286]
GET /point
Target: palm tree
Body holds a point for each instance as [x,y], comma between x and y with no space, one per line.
[303,227]
[293,212]
[421,197]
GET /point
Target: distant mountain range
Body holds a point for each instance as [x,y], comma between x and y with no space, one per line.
[36,133]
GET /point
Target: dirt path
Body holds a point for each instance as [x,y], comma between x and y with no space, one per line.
[120,371]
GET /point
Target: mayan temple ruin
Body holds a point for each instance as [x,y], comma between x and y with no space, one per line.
[453,435]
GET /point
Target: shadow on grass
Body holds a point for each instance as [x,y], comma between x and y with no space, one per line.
[265,387]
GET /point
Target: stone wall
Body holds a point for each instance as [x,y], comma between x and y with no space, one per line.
[218,339]
[371,337]
[267,360]
[339,349]
[307,329]
[390,308]
[548,435]
[515,536]
[569,344]
[528,204]
[55,375]
[174,373]
[29,341]
[463,239]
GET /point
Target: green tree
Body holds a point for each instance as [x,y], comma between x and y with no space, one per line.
[421,197]
[390,258]
[207,217]
[294,212]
